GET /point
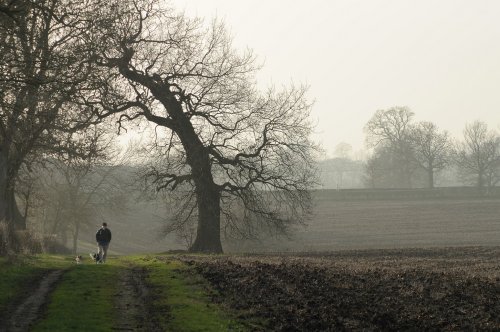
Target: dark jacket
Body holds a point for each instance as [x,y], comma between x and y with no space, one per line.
[103,236]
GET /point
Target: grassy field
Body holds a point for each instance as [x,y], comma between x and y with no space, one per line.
[403,223]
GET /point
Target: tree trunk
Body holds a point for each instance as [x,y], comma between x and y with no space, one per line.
[207,193]
[207,196]
[26,207]
[13,213]
[3,186]
[480,179]
[208,231]
[9,211]
[57,220]
[430,174]
[75,236]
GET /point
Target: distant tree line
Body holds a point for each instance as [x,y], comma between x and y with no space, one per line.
[403,153]
[406,154]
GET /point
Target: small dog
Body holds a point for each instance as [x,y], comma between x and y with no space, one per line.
[95,257]
[79,259]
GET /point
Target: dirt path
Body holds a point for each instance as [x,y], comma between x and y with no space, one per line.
[28,311]
[133,302]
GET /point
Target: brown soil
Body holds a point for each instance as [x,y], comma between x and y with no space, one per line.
[389,290]
[28,311]
[134,302]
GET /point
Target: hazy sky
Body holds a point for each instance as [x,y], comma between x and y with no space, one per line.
[441,58]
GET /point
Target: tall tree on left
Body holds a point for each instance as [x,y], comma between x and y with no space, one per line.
[44,69]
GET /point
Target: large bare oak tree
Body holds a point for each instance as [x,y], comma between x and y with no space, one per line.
[242,157]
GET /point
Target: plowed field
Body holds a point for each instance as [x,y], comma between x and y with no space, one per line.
[405,223]
[390,290]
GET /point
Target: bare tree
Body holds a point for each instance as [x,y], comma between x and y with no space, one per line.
[243,158]
[391,125]
[42,67]
[340,173]
[431,149]
[83,189]
[382,168]
[479,154]
[390,129]
[343,150]
[370,173]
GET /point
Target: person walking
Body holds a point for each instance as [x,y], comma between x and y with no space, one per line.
[103,238]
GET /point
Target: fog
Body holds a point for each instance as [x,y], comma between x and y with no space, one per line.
[438,58]
[261,165]
[331,122]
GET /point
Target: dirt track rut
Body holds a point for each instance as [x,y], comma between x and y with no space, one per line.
[133,302]
[29,310]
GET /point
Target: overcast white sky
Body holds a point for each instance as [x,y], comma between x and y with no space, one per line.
[441,58]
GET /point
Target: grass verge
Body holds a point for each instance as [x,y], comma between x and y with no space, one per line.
[83,300]
[184,294]
[19,274]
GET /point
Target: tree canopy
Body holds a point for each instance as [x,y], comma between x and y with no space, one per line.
[242,157]
[44,69]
